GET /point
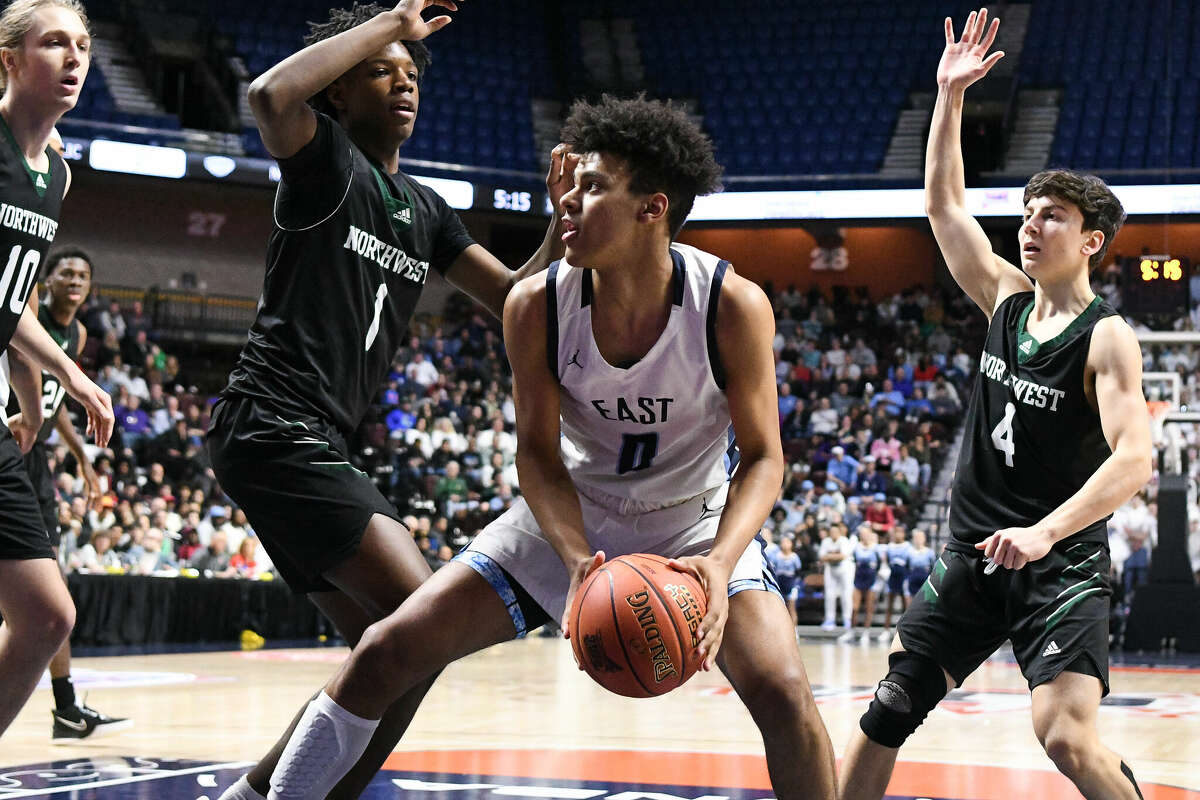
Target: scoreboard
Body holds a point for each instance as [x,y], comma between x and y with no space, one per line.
[1155,284]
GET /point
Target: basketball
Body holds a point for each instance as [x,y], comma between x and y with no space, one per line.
[633,625]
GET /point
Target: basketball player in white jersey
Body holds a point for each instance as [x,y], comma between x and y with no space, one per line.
[631,358]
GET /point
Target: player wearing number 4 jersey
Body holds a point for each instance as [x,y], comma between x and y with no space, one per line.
[44,57]
[354,242]
[1057,439]
[630,359]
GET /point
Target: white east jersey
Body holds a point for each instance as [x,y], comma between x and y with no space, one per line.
[656,433]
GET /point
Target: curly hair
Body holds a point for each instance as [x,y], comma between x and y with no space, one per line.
[665,150]
[1101,209]
[61,254]
[342,20]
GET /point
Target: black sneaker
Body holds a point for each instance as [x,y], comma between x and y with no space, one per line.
[81,722]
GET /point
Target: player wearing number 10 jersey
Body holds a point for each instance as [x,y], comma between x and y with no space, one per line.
[44,58]
[1057,439]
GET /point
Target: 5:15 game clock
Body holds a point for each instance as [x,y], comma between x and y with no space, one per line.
[1155,284]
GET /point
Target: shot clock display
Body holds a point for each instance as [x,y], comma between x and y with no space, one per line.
[1155,284]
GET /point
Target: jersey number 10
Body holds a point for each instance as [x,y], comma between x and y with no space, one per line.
[20,287]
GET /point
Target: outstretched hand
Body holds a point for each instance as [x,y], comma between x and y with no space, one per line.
[415,26]
[966,61]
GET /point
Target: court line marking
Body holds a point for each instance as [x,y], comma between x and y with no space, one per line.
[121,781]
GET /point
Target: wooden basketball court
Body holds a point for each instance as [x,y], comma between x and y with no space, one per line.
[520,720]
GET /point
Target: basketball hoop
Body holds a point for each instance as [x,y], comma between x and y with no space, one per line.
[1158,413]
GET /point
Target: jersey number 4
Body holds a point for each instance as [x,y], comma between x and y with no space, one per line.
[1002,434]
[13,293]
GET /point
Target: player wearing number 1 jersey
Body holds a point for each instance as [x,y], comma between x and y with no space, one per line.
[354,242]
[44,57]
[1057,438]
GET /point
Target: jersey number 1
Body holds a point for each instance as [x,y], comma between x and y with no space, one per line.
[373,331]
[24,282]
[1002,434]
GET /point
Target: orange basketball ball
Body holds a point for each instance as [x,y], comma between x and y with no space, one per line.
[633,625]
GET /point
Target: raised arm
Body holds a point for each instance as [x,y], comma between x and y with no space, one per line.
[985,277]
[545,482]
[279,97]
[1116,360]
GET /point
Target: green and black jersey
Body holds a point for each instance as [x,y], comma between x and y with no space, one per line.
[346,264]
[30,202]
[1032,439]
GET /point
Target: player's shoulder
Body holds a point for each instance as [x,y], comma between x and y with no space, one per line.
[743,301]
[526,301]
[1114,344]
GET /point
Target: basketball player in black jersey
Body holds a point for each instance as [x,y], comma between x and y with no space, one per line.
[1057,439]
[353,244]
[44,57]
[68,279]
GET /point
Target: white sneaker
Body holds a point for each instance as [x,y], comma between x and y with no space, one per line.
[866,638]
[827,626]
[848,636]
[885,635]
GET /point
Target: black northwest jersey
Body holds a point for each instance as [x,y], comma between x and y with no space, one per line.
[346,264]
[29,206]
[1032,440]
[66,337]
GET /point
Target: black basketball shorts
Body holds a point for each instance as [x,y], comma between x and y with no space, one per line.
[1055,610]
[292,475]
[22,529]
[37,466]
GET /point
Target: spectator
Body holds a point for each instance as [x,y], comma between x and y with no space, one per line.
[451,487]
[888,400]
[836,553]
[880,516]
[497,439]
[213,561]
[843,469]
[244,563]
[421,372]
[824,419]
[112,322]
[870,482]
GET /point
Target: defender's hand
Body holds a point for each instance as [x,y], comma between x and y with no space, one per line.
[714,578]
[1013,548]
[561,177]
[966,61]
[415,26]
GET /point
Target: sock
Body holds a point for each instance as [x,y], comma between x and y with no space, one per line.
[64,693]
[242,790]
[1129,774]
[326,743]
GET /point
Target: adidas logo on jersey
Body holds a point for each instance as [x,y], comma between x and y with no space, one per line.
[41,182]
[404,216]
[1025,345]
[1052,649]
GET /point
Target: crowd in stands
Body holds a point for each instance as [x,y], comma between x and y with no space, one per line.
[869,394]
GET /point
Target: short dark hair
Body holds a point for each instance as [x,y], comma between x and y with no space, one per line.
[342,20]
[666,151]
[60,255]
[1101,209]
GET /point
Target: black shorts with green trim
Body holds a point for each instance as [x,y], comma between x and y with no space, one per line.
[1055,610]
[291,474]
